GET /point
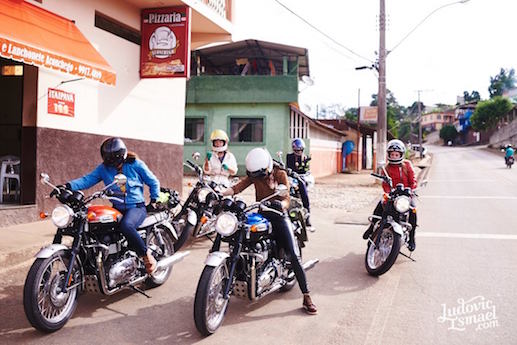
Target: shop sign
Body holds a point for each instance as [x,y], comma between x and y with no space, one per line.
[61,102]
[165,48]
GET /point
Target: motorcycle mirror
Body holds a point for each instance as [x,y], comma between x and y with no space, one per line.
[281,189]
[196,156]
[120,180]
[279,154]
[44,178]
[381,164]
[424,183]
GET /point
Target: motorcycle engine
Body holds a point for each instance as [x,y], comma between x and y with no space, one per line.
[122,271]
[267,276]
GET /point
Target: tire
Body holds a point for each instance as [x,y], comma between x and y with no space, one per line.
[184,233]
[34,299]
[290,284]
[391,258]
[160,277]
[203,299]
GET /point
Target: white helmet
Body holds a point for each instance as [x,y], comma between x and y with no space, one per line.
[396,145]
[219,134]
[258,162]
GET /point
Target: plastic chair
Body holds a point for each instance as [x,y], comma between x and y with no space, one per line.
[8,172]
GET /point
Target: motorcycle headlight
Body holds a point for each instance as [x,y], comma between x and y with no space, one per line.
[202,194]
[226,224]
[402,204]
[62,216]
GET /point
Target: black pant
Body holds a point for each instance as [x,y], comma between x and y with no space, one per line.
[303,194]
[286,240]
[411,220]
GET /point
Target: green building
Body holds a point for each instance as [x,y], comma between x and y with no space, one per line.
[246,88]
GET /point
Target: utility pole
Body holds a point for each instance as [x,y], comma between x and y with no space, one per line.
[358,125]
[420,126]
[381,98]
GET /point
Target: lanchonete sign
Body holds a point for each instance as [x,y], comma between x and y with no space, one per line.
[37,57]
[165,48]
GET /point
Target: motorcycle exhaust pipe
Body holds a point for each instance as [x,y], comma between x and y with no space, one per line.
[171,260]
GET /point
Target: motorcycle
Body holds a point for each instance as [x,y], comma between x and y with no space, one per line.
[509,162]
[253,266]
[391,231]
[98,259]
[196,218]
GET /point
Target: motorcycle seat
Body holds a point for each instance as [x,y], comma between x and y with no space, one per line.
[153,218]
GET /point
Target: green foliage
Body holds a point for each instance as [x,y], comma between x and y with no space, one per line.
[503,81]
[351,114]
[470,97]
[488,113]
[404,132]
[448,133]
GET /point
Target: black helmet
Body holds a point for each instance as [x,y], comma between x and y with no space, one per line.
[113,152]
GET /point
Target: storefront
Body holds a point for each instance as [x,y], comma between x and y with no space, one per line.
[70,77]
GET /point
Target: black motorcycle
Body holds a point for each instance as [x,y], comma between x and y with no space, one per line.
[252,267]
[196,218]
[391,230]
[98,258]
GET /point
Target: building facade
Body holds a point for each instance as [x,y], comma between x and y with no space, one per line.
[88,88]
[434,121]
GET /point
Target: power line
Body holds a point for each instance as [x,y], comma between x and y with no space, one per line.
[321,32]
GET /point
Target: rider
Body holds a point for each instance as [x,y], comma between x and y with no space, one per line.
[265,178]
[400,171]
[299,163]
[116,160]
[220,163]
[509,151]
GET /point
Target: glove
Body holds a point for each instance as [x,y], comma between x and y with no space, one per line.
[209,155]
[225,167]
[274,204]
[61,188]
[163,198]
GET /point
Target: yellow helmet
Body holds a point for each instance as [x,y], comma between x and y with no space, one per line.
[219,134]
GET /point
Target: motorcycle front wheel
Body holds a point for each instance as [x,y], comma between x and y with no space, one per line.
[378,260]
[46,306]
[209,304]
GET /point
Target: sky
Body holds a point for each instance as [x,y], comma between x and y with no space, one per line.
[458,48]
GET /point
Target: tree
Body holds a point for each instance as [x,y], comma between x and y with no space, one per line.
[448,133]
[470,97]
[404,130]
[503,81]
[488,113]
[395,112]
[351,114]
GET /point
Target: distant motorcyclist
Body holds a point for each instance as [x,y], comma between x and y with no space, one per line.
[509,152]
[265,177]
[299,163]
[115,160]
[220,163]
[400,171]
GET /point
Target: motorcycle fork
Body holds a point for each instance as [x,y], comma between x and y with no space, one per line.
[75,250]
[217,244]
[234,258]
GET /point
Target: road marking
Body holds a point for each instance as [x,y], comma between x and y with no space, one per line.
[470,236]
[501,197]
[461,180]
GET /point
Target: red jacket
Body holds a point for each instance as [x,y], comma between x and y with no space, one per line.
[400,173]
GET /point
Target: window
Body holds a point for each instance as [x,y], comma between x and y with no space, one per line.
[247,130]
[194,130]
[438,117]
[117,28]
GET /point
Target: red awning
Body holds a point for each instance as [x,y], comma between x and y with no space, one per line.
[38,37]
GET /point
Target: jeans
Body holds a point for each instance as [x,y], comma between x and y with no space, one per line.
[133,217]
[303,194]
[286,240]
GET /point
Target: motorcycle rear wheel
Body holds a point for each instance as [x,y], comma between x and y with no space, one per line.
[159,252]
[47,308]
[379,260]
[209,304]
[185,231]
[291,283]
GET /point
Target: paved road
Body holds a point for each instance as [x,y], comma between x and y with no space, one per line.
[467,246]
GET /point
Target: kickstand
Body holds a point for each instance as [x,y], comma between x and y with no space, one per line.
[140,291]
[409,257]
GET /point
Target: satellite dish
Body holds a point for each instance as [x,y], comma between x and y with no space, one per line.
[307,80]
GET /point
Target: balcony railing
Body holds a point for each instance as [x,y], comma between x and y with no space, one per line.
[221,7]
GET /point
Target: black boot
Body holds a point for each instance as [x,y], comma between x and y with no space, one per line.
[368,232]
[411,243]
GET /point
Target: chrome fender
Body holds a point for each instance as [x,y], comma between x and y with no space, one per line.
[192,217]
[214,259]
[50,250]
[171,229]
[396,227]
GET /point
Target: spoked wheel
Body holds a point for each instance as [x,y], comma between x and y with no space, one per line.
[378,260]
[209,304]
[46,305]
[161,244]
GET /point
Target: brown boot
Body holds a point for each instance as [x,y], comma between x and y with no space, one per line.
[150,262]
[309,307]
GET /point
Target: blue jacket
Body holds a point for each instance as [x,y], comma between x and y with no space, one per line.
[137,174]
[509,152]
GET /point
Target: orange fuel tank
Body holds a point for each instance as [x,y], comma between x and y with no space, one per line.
[103,214]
